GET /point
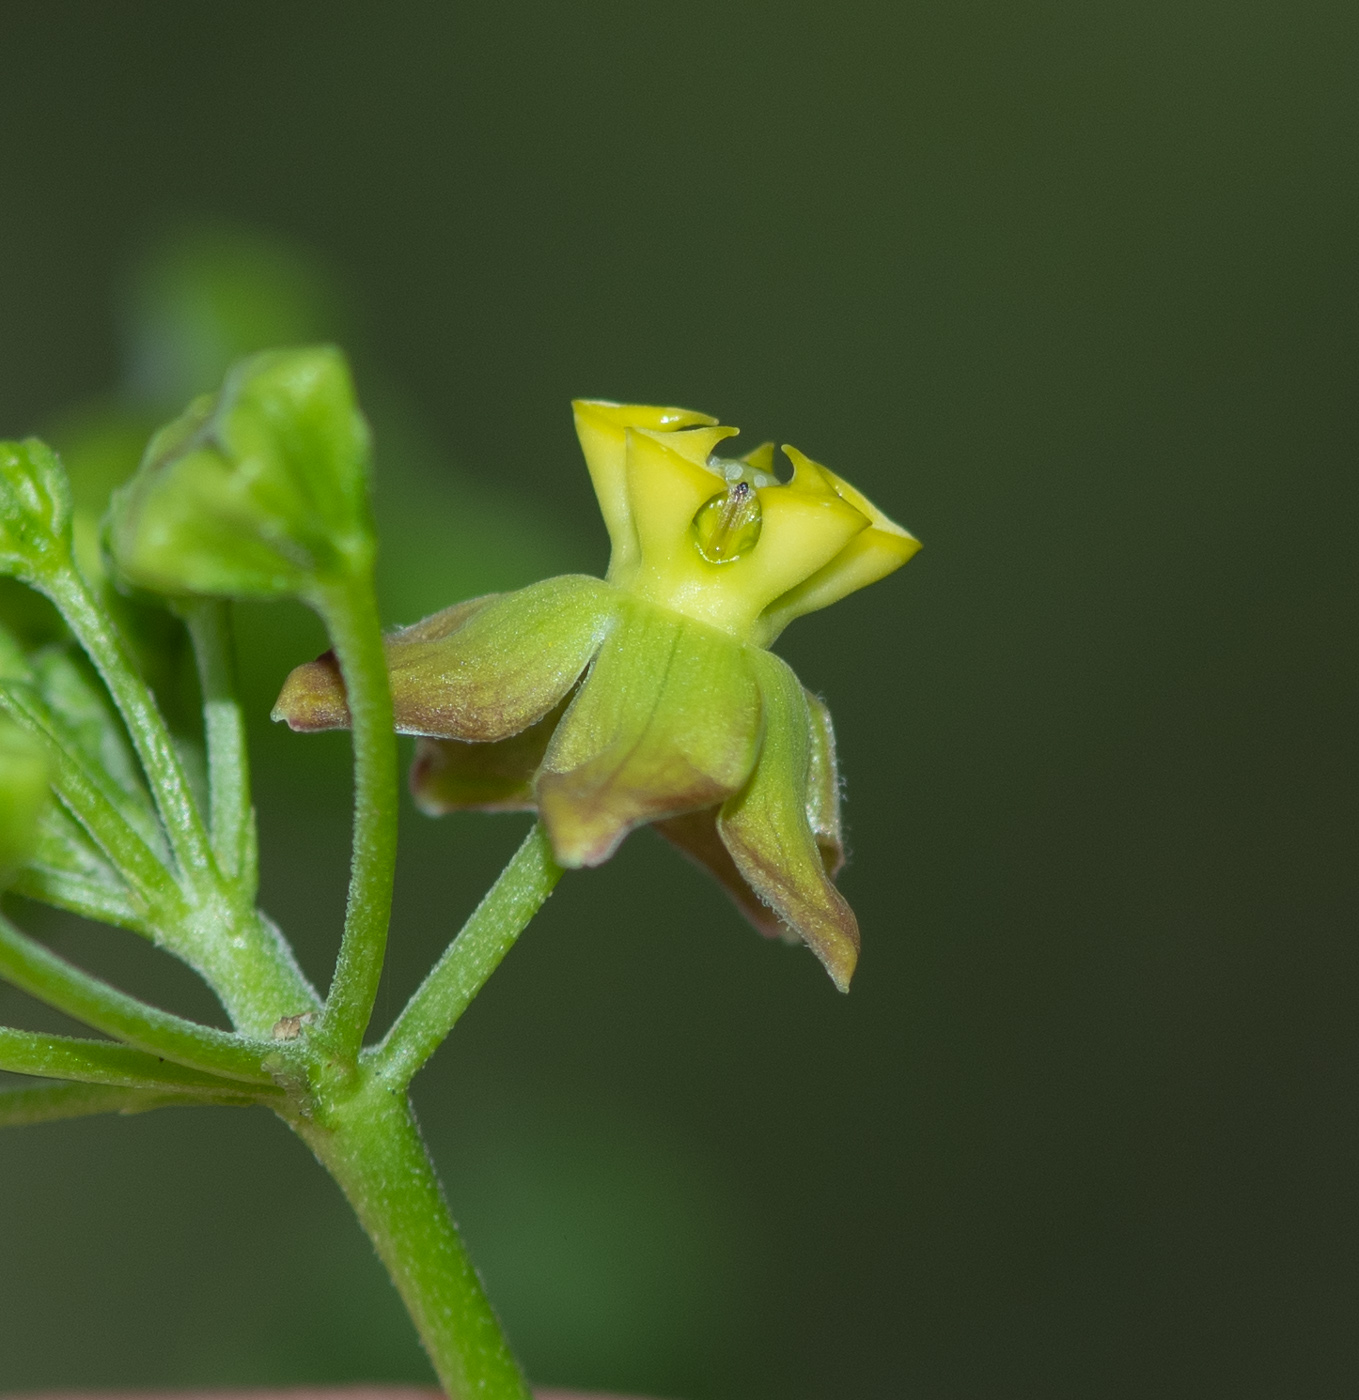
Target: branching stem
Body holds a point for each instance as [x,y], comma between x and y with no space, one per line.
[26,964]
[467,963]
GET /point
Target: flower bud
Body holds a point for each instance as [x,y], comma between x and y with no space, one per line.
[24,775]
[260,491]
[35,511]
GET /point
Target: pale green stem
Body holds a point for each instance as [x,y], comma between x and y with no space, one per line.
[232,818]
[104,645]
[49,1103]
[467,962]
[373,1149]
[101,1062]
[26,964]
[350,612]
[247,964]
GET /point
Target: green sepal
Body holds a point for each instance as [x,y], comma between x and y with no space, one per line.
[35,512]
[667,721]
[260,492]
[482,670]
[766,829]
[24,776]
[695,834]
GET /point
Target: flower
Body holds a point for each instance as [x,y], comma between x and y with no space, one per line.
[651,696]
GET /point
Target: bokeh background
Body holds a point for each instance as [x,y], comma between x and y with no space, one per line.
[1071,290]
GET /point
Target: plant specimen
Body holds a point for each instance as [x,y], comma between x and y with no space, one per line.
[647,697]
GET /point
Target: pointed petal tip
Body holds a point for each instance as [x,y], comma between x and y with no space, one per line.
[840,968]
[694,443]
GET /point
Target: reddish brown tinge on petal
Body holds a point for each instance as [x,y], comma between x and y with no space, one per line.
[695,834]
[457,775]
[767,829]
[313,697]
[481,670]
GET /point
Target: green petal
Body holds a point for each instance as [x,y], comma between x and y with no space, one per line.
[457,775]
[666,722]
[766,829]
[481,670]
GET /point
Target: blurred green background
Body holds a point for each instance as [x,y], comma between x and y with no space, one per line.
[1068,288]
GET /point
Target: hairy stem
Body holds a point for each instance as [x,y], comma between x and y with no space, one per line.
[232,818]
[373,1149]
[467,963]
[104,645]
[101,1062]
[350,611]
[26,964]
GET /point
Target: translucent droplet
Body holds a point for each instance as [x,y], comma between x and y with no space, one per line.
[728,525]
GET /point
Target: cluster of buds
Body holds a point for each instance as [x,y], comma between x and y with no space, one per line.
[650,696]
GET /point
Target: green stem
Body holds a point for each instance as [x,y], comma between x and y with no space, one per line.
[350,612]
[100,1062]
[521,890]
[240,954]
[373,1149]
[104,645]
[26,964]
[232,818]
[49,1103]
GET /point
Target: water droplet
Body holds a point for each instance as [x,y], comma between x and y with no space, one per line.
[728,524]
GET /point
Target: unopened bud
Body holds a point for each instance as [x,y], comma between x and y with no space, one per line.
[35,511]
[260,492]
